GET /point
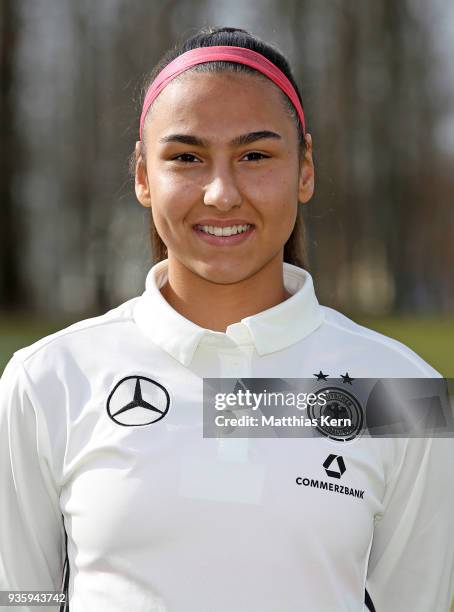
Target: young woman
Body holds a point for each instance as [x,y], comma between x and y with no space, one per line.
[108,486]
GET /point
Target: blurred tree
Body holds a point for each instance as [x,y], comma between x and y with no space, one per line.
[366,75]
[11,235]
[381,223]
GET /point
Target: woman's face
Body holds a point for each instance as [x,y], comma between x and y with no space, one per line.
[222,152]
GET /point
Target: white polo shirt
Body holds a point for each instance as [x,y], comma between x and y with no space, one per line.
[159,518]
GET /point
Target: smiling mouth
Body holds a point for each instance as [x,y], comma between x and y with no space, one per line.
[224,236]
[232,230]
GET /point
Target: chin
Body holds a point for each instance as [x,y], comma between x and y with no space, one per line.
[224,273]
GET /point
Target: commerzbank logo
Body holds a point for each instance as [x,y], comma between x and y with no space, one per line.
[335,468]
[138,400]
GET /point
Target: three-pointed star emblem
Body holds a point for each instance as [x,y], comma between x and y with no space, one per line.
[138,400]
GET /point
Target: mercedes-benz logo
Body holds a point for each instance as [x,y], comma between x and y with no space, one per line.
[137,400]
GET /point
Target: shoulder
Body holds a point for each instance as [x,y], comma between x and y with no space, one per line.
[82,336]
[372,350]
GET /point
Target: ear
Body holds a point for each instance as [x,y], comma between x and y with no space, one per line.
[141,178]
[306,178]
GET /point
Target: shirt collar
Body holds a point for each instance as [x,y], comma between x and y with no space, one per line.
[270,330]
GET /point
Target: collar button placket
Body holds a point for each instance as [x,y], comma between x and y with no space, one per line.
[235,363]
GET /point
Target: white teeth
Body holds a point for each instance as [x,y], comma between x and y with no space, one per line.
[224,231]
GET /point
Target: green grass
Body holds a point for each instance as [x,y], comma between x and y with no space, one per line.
[16,333]
[431,338]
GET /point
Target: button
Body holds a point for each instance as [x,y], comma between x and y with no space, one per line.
[235,362]
[234,365]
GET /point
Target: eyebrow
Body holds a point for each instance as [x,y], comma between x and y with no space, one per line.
[243,139]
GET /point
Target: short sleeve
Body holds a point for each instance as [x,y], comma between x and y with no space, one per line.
[32,544]
[411,564]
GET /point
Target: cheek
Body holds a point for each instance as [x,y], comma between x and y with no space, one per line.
[274,184]
[167,219]
[172,197]
[168,186]
[277,197]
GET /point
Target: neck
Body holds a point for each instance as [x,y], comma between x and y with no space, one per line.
[216,306]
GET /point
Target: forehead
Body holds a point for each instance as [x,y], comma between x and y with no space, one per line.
[219,101]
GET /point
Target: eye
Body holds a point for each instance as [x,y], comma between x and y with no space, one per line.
[185,156]
[257,156]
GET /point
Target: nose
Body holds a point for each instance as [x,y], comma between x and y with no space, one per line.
[222,192]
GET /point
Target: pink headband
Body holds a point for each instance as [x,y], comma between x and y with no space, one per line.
[227,53]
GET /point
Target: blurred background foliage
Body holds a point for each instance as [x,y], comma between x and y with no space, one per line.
[377,81]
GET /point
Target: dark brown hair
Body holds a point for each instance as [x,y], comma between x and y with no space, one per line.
[294,249]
